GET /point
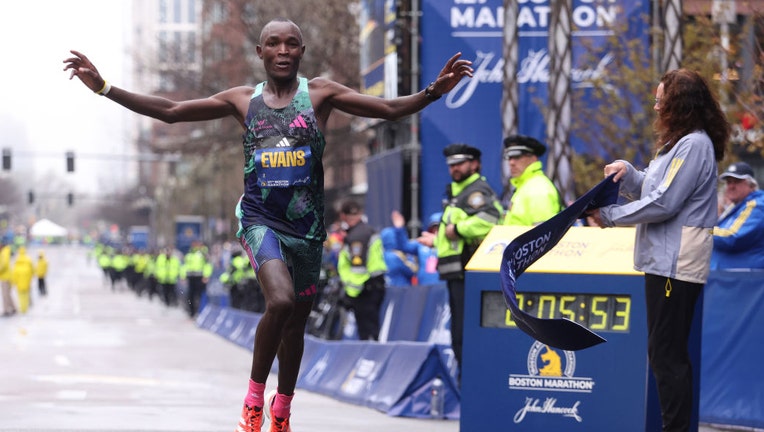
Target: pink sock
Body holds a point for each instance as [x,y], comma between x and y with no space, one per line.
[255,396]
[282,405]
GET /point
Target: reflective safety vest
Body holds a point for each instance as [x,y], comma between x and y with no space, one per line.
[104,260]
[361,258]
[474,209]
[535,198]
[194,264]
[161,268]
[120,261]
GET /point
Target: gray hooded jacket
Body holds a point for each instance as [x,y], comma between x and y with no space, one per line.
[674,207]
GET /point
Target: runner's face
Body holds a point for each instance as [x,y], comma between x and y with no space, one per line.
[281,50]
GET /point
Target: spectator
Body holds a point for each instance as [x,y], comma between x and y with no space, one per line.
[331,252]
[427,256]
[401,266]
[196,270]
[534,198]
[739,234]
[41,270]
[22,273]
[361,268]
[471,210]
[9,308]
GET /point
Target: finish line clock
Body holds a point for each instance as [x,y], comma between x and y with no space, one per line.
[512,382]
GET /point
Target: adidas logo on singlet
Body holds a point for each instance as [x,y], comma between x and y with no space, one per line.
[299,122]
[283,143]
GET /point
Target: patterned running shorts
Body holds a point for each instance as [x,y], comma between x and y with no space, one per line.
[302,257]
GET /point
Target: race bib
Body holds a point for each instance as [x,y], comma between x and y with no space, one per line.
[282,162]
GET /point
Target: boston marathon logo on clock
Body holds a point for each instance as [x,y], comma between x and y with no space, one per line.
[549,370]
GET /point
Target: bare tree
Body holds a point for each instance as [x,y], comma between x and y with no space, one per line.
[617,120]
[614,116]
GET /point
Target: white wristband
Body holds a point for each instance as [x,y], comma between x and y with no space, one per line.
[105,89]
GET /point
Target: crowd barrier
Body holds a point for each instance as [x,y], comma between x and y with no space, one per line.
[732,380]
[395,375]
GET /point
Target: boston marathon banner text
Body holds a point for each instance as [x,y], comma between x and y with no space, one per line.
[471,113]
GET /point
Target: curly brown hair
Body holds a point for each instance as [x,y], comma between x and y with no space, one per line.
[688,105]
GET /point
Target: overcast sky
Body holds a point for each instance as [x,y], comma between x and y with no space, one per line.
[42,113]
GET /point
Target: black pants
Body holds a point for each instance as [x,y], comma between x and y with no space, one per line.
[196,288]
[169,295]
[41,286]
[456,304]
[670,308]
[366,308]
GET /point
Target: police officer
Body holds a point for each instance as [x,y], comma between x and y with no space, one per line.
[471,209]
[238,267]
[196,270]
[534,197]
[361,268]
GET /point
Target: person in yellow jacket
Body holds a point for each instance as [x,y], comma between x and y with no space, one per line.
[534,197]
[471,210]
[361,267]
[9,308]
[196,270]
[41,271]
[22,273]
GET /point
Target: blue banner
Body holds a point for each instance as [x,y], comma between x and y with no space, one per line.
[188,229]
[731,391]
[471,113]
[384,173]
[528,247]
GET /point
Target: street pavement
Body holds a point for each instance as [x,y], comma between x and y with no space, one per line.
[86,358]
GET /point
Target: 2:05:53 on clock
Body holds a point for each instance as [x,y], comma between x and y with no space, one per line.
[598,312]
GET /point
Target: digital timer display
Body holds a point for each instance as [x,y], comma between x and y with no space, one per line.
[597,312]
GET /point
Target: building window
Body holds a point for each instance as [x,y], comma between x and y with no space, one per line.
[162,11]
[191,48]
[162,51]
[177,46]
[219,12]
[192,11]
[177,12]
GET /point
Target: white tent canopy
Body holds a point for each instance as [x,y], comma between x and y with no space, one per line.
[46,228]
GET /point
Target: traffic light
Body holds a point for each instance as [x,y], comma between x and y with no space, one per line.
[6,159]
[30,197]
[69,161]
[70,199]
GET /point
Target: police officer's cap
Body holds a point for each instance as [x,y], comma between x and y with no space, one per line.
[458,153]
[517,145]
